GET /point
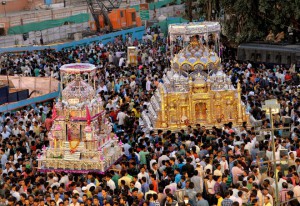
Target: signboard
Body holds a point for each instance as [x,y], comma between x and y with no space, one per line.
[132,55]
[144,12]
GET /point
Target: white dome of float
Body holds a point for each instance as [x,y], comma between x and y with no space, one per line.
[195,56]
[77,68]
[78,90]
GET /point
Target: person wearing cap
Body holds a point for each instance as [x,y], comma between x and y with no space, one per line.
[86,191]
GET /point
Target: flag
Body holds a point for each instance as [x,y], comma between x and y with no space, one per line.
[88,116]
[54,114]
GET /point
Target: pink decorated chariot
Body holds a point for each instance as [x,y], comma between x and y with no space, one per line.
[81,138]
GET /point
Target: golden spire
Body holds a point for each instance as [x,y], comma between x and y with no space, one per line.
[194,41]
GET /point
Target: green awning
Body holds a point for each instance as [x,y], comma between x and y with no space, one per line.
[38,26]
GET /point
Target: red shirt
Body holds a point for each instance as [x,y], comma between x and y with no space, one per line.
[155,186]
[48,123]
[287,77]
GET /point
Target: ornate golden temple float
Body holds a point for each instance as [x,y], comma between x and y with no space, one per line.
[195,90]
[81,138]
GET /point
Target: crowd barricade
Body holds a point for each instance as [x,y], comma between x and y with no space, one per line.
[40,89]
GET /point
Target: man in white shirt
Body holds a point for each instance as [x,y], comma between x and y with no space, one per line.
[119,54]
[121,61]
[57,198]
[110,183]
[121,117]
[14,192]
[239,199]
[5,134]
[145,174]
[7,168]
[64,179]
[18,155]
[3,158]
[148,84]
[163,157]
[126,147]
[137,184]
[232,197]
[224,164]
[101,88]
[15,130]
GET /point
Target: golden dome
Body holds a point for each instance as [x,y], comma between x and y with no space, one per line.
[195,56]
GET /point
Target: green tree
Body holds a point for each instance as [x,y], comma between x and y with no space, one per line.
[251,20]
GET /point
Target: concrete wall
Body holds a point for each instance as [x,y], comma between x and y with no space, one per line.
[19,5]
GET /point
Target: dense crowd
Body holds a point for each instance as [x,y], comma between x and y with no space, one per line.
[196,166]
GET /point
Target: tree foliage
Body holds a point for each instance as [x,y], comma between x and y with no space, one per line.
[251,20]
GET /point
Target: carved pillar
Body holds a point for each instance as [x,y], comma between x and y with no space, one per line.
[239,104]
[178,112]
[190,112]
[163,109]
[209,102]
[208,111]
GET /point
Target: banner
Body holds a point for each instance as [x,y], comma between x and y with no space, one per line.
[144,12]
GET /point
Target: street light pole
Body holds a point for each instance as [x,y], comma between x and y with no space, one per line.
[4,4]
[270,107]
[274,158]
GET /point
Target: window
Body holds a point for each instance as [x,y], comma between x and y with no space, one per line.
[2,32]
[268,57]
[133,16]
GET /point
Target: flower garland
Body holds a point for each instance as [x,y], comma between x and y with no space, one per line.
[73,149]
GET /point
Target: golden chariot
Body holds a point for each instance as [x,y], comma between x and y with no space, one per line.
[195,90]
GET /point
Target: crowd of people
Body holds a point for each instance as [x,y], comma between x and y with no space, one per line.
[194,166]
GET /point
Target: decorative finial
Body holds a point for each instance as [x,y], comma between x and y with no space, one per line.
[194,42]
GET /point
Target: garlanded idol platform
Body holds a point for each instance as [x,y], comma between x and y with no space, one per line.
[81,138]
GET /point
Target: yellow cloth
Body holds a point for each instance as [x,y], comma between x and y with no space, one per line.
[89,194]
[220,200]
[36,130]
